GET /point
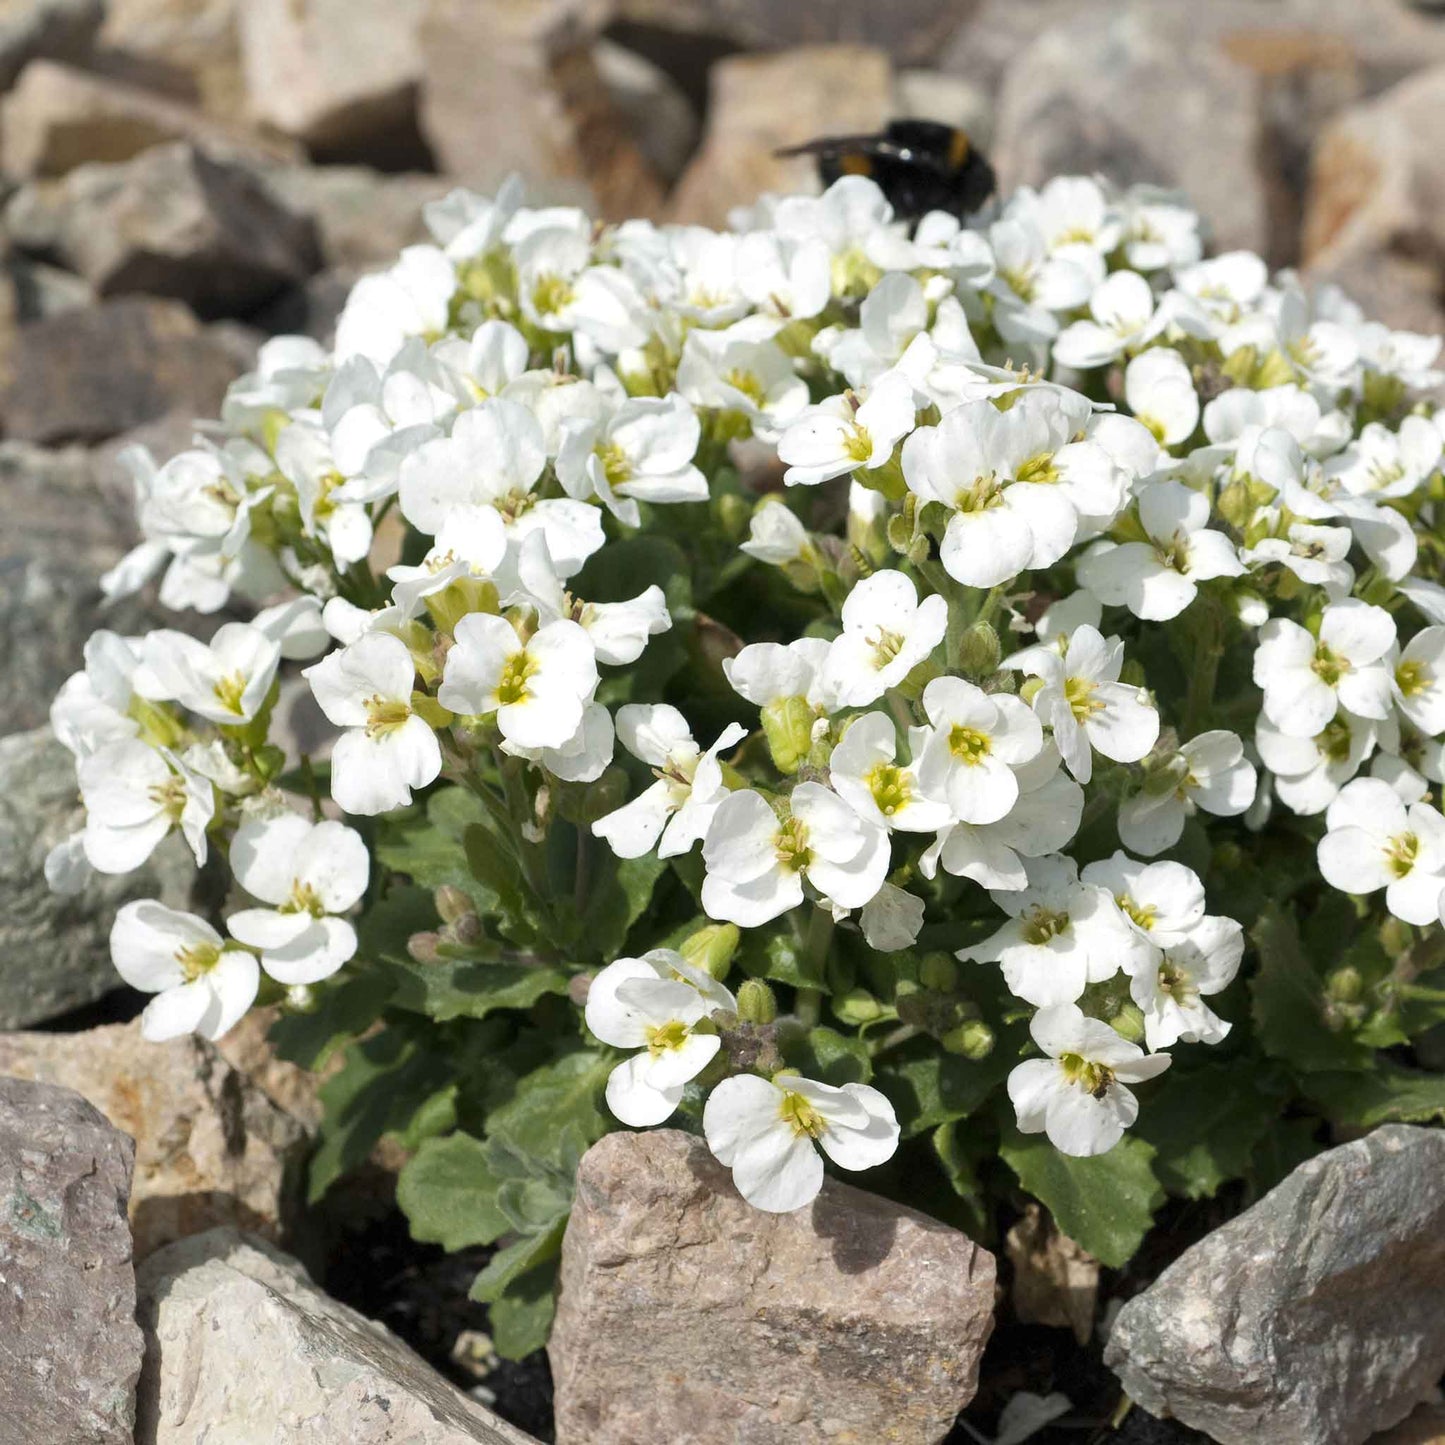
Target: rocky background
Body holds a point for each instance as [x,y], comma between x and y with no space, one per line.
[182,178]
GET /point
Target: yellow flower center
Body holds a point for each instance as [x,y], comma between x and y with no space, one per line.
[662,1038]
[229,691]
[1412,678]
[1038,469]
[800,1116]
[303,898]
[615,465]
[198,960]
[886,646]
[890,787]
[1400,854]
[969,745]
[747,382]
[791,846]
[857,444]
[1335,742]
[170,797]
[384,716]
[551,294]
[1328,665]
[1145,915]
[981,494]
[512,685]
[1092,1077]
[1041,924]
[1079,694]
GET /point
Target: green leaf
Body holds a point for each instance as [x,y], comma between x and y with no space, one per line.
[960,1169]
[427,843]
[934,1087]
[518,1258]
[1204,1126]
[1282,1150]
[522,1318]
[448,1193]
[555,1106]
[462,988]
[833,1058]
[1106,1204]
[349,1004]
[619,894]
[780,959]
[1388,1094]
[1288,1012]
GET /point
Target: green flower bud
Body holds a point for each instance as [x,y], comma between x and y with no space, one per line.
[423,947]
[978,650]
[451,903]
[788,727]
[1132,673]
[1345,985]
[900,532]
[712,948]
[756,1004]
[973,1040]
[1129,1023]
[733,513]
[1029,690]
[938,971]
[857,1006]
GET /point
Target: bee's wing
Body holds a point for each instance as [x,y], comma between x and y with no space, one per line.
[836,145]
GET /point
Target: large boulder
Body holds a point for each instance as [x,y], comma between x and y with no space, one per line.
[70,1350]
[172,221]
[1313,1316]
[57,28]
[211,1148]
[241,1348]
[192,44]
[55,951]
[687,1315]
[759,103]
[89,375]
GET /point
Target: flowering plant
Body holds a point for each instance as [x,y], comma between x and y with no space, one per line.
[844,688]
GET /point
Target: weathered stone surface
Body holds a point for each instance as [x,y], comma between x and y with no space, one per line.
[689,1316]
[1089,96]
[1426,1426]
[291,1088]
[32,28]
[70,1350]
[338,75]
[1313,1316]
[242,1348]
[761,102]
[42,290]
[211,1148]
[1375,213]
[1055,1281]
[173,221]
[363,217]
[87,375]
[195,40]
[658,115]
[55,952]
[58,117]
[512,85]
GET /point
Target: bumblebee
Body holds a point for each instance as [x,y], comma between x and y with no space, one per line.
[920,165]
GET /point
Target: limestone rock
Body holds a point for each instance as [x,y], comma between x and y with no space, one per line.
[193,40]
[211,1148]
[174,221]
[54,951]
[1376,205]
[687,1315]
[70,1350]
[58,117]
[291,1088]
[1055,1281]
[32,28]
[513,85]
[1314,1315]
[91,374]
[241,1347]
[761,102]
[1089,96]
[338,75]
[651,104]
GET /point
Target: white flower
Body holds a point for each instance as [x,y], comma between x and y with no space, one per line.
[886,633]
[1209,771]
[1383,463]
[866,774]
[537,689]
[308,872]
[1170,989]
[1062,934]
[654,1004]
[1124,319]
[891,919]
[1315,554]
[1305,680]
[1160,393]
[975,743]
[1374,841]
[560,290]
[1087,707]
[387,749]
[1162,900]
[382,311]
[304,457]
[643,453]
[1077,1095]
[1419,680]
[134,795]
[765,1131]
[1015,482]
[1159,578]
[91,710]
[1309,772]
[675,811]
[776,536]
[835,437]
[732,370]
[757,862]
[201,984]
[769,672]
[225,682]
[470,547]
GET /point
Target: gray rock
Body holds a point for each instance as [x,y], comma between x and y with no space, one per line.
[194,41]
[1314,1316]
[172,221]
[88,375]
[241,1348]
[56,28]
[688,1316]
[658,114]
[70,1351]
[54,951]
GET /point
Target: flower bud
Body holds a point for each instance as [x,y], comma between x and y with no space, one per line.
[466,929]
[1345,985]
[423,947]
[857,1006]
[978,650]
[712,948]
[301,998]
[733,513]
[451,903]
[578,987]
[973,1040]
[1129,1023]
[1031,689]
[900,532]
[938,971]
[788,727]
[756,1004]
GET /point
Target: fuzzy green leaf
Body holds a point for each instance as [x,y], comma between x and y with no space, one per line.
[522,1318]
[448,1193]
[934,1087]
[1388,1094]
[518,1258]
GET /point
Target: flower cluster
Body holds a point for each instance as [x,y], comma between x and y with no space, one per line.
[913,569]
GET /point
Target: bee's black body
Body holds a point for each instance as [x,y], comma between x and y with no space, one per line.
[920,165]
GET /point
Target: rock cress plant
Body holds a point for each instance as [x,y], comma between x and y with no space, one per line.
[936,585]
